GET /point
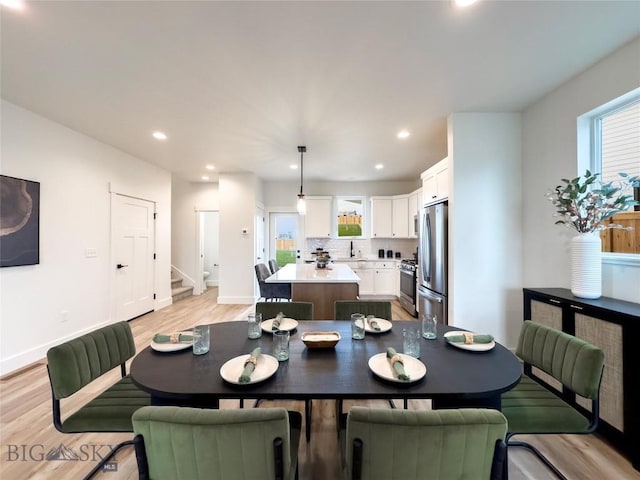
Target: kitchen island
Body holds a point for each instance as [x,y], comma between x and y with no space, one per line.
[320,286]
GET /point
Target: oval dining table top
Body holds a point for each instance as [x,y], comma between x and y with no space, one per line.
[454,377]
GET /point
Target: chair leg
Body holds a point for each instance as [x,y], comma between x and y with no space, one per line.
[102,462]
[538,454]
[307,418]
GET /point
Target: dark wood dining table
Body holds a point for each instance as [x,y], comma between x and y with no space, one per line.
[454,377]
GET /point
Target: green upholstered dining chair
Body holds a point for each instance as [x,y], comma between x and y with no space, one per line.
[174,443]
[344,308]
[295,310]
[76,363]
[532,408]
[408,444]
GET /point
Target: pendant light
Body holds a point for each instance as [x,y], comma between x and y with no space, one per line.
[302,205]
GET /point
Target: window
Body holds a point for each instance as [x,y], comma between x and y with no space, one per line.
[350,217]
[615,147]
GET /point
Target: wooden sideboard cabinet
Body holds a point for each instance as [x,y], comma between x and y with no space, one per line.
[614,326]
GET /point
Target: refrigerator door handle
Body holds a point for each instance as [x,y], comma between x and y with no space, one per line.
[429,262]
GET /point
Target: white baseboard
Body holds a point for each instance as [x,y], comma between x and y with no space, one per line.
[22,359]
[163,302]
[211,283]
[236,300]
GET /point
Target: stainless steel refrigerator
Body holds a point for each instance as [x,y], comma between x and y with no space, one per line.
[432,289]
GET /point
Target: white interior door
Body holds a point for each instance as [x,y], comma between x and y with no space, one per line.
[133,240]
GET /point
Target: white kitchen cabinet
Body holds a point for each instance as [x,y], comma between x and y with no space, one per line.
[414,212]
[400,216]
[386,278]
[435,182]
[317,222]
[381,217]
[365,272]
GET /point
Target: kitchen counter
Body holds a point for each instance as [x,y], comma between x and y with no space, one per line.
[320,286]
[308,273]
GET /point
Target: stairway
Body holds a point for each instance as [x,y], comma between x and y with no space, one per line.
[178,291]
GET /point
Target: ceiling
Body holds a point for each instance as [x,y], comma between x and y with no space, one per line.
[240,85]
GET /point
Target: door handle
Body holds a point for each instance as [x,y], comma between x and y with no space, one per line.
[119,266]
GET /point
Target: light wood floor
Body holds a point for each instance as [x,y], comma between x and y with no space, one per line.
[27,434]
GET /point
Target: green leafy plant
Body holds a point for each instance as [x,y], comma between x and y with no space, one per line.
[585,202]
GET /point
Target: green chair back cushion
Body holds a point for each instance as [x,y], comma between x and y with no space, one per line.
[442,444]
[197,444]
[295,310]
[344,308]
[572,361]
[76,363]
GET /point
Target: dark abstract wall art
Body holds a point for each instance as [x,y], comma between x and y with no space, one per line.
[19,222]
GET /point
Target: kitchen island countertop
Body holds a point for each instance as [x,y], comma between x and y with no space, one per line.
[308,273]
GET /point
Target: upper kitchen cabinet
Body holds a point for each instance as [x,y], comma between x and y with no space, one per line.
[415,203]
[391,217]
[317,223]
[381,217]
[435,182]
[400,217]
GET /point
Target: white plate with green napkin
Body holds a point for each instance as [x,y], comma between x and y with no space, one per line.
[168,346]
[383,325]
[474,347]
[381,366]
[285,324]
[265,367]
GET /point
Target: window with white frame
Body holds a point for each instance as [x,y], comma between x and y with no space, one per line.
[614,147]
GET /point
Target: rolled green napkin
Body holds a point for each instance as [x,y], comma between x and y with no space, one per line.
[275,325]
[373,323]
[470,338]
[173,338]
[396,363]
[249,366]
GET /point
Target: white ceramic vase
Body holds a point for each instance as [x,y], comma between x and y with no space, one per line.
[586,265]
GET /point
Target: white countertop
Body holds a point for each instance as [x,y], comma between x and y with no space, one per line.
[308,273]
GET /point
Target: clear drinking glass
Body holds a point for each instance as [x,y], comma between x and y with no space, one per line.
[411,341]
[357,326]
[429,323]
[255,329]
[281,345]
[200,339]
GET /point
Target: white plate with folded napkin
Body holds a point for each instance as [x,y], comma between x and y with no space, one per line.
[172,347]
[474,347]
[266,366]
[381,366]
[385,325]
[287,324]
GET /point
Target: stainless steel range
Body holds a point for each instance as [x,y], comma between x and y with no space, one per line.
[408,271]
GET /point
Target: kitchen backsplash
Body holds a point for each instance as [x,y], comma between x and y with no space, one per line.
[366,248]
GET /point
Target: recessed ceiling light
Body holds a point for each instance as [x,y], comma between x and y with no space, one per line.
[204,177]
[210,167]
[403,134]
[15,4]
[379,166]
[463,3]
[293,166]
[159,136]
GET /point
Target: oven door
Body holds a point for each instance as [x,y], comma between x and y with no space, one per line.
[408,290]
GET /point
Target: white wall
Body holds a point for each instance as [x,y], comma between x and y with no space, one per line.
[239,196]
[550,153]
[75,173]
[485,223]
[186,199]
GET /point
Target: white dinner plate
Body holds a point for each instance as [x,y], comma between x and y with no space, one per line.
[266,366]
[474,347]
[381,366]
[385,326]
[285,324]
[172,347]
